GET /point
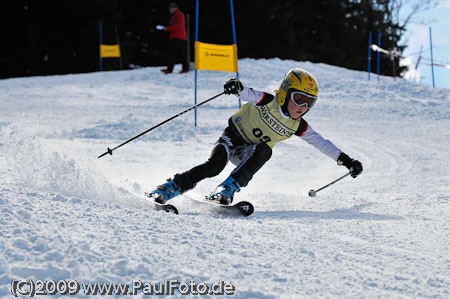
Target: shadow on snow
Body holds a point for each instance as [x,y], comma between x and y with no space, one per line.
[349,213]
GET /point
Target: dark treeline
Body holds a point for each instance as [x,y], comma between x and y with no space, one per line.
[42,37]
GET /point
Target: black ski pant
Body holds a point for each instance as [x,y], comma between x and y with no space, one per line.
[229,145]
[177,54]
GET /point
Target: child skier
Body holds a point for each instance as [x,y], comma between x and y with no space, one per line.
[251,134]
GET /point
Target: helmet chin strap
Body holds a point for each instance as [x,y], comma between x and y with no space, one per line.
[303,114]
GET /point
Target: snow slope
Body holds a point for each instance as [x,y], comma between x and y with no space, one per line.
[64,214]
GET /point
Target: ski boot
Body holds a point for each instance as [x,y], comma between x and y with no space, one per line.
[224,192]
[164,192]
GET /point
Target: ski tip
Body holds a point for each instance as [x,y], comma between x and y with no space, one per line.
[166,207]
[171,209]
[245,208]
[160,206]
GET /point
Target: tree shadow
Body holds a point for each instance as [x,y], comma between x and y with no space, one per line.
[349,213]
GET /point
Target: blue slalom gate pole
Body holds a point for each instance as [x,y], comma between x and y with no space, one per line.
[196,39]
[369,60]
[101,41]
[234,36]
[232,22]
[378,55]
[432,65]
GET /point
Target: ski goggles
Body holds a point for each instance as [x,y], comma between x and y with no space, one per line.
[301,99]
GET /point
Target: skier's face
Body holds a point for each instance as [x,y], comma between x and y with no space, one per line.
[296,111]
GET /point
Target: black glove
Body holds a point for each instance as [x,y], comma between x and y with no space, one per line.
[233,86]
[354,166]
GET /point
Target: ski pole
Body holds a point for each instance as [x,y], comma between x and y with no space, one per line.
[109,151]
[312,193]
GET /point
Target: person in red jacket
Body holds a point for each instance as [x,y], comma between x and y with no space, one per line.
[177,40]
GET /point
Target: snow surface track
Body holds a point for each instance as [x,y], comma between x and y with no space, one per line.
[64,214]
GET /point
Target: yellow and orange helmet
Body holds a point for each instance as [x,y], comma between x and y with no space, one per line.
[300,81]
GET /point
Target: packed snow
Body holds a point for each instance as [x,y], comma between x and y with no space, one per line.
[66,215]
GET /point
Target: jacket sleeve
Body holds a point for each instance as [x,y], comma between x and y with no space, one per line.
[175,23]
[256,98]
[320,143]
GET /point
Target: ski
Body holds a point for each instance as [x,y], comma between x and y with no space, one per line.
[159,206]
[242,208]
